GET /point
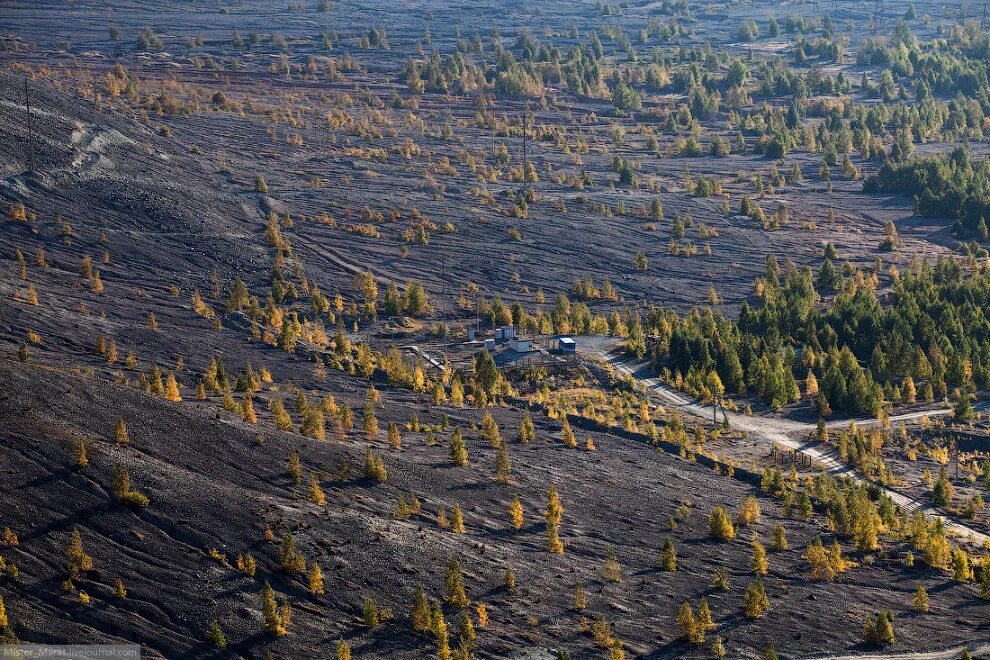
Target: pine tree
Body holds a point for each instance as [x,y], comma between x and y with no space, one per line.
[749,512]
[316,494]
[458,448]
[668,556]
[920,600]
[489,430]
[121,433]
[985,581]
[370,422]
[510,580]
[290,559]
[315,579]
[119,590]
[720,525]
[527,430]
[77,560]
[343,650]
[718,648]
[516,512]
[779,539]
[555,511]
[758,564]
[456,520]
[273,622]
[580,598]
[720,579]
[879,629]
[611,568]
[465,631]
[295,467]
[81,455]
[771,653]
[7,635]
[503,467]
[688,625]
[704,618]
[281,417]
[440,634]
[370,613]
[394,439]
[215,636]
[962,572]
[419,613]
[567,434]
[454,585]
[755,601]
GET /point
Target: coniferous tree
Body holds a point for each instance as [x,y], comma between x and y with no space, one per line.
[77,560]
[503,466]
[755,601]
[611,568]
[516,512]
[370,613]
[457,520]
[567,434]
[704,618]
[419,613]
[758,563]
[580,598]
[720,525]
[120,433]
[688,625]
[920,600]
[454,585]
[273,623]
[527,431]
[458,448]
[394,438]
[215,636]
[779,539]
[668,556]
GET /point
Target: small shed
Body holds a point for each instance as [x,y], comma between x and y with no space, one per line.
[504,333]
[566,345]
[521,344]
[490,345]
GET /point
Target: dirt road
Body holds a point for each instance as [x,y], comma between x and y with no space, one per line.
[784,432]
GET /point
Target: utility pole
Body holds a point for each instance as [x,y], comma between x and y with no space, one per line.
[983,19]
